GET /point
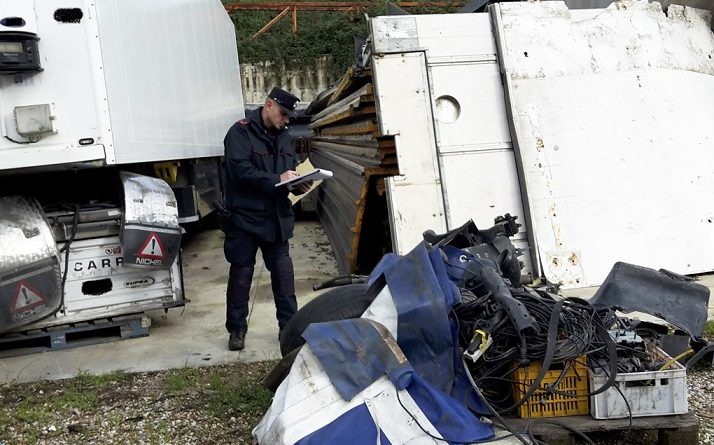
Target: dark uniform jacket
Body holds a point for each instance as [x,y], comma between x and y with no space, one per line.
[254,160]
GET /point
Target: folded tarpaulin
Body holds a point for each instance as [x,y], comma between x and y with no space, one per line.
[309,410]
[389,382]
[423,295]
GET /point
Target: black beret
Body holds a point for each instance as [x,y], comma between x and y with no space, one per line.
[287,101]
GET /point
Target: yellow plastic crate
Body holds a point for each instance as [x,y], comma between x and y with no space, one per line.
[543,403]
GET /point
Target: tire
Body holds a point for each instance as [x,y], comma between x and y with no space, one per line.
[338,303]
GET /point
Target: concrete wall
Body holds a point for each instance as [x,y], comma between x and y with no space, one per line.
[306,82]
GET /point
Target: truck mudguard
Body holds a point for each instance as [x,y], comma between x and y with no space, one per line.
[30,282]
[150,234]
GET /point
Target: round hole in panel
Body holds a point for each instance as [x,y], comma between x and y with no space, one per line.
[447,109]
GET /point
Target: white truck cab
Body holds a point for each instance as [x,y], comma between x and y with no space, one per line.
[112,118]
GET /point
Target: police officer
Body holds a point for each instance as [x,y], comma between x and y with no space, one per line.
[259,153]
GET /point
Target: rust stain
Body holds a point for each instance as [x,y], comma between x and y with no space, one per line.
[574,259]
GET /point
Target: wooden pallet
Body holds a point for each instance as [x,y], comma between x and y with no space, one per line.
[74,334]
[671,430]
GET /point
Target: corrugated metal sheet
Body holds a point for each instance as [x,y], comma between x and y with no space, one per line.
[349,143]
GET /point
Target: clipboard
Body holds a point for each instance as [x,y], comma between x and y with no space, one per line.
[315,175]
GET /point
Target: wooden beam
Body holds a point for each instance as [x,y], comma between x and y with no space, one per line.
[294,20]
[271,23]
[349,113]
[361,127]
[341,87]
[357,229]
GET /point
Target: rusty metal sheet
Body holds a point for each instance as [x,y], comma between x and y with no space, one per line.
[365,156]
[346,103]
[339,205]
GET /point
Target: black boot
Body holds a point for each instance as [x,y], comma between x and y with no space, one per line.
[236,342]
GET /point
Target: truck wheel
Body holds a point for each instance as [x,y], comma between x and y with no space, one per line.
[338,303]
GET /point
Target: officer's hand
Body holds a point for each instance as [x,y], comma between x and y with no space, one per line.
[289,174]
[303,188]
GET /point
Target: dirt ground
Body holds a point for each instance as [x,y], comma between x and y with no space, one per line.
[210,405]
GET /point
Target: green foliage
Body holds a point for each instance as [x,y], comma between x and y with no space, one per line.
[230,398]
[319,33]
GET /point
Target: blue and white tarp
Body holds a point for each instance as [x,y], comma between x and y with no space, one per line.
[390,377]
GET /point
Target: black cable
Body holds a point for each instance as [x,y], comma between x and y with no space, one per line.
[65,248]
[627,404]
[579,333]
[493,439]
[488,405]
[20,142]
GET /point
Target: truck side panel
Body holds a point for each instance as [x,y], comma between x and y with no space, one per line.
[100,286]
[478,167]
[457,149]
[69,83]
[414,197]
[161,109]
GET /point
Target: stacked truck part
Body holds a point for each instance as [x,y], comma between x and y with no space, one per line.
[349,143]
[590,125]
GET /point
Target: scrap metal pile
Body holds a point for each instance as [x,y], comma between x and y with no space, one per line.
[453,315]
[505,327]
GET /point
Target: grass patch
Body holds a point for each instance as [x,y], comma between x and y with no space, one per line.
[183,379]
[709,329]
[220,404]
[157,432]
[84,379]
[31,407]
[41,408]
[228,398]
[4,421]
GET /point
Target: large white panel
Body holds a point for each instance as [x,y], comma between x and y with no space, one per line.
[413,209]
[456,36]
[69,84]
[24,10]
[172,77]
[613,116]
[481,186]
[441,36]
[478,166]
[414,198]
[480,122]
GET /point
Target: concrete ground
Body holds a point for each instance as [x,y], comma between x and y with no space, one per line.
[194,335]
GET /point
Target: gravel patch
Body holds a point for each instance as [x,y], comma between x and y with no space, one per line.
[216,405]
[700,384]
